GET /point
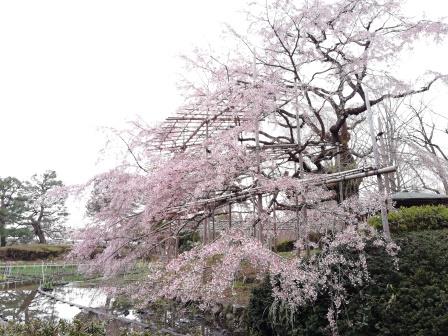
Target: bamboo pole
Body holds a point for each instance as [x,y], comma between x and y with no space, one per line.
[384,218]
[206,221]
[384,159]
[213,224]
[329,179]
[257,146]
[301,172]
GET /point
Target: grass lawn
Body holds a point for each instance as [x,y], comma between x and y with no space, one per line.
[49,273]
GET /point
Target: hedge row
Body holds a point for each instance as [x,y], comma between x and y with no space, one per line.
[415,218]
[410,300]
[32,252]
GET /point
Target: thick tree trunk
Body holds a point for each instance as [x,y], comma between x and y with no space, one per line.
[347,162]
[2,234]
[440,169]
[39,233]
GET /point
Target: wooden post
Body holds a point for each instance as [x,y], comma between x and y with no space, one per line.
[338,167]
[176,241]
[43,273]
[213,224]
[205,238]
[230,215]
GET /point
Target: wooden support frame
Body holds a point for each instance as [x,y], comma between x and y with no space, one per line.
[188,130]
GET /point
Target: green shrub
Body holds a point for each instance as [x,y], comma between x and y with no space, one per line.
[288,245]
[315,237]
[32,252]
[428,217]
[285,246]
[61,328]
[411,300]
[187,240]
[19,235]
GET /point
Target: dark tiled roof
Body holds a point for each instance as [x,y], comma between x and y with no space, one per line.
[403,195]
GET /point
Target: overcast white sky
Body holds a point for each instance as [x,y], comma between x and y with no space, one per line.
[68,68]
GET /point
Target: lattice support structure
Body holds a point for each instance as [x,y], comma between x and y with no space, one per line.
[191,128]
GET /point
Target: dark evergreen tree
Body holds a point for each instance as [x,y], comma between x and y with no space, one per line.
[12,204]
[45,206]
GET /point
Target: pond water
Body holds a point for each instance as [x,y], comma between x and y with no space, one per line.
[25,303]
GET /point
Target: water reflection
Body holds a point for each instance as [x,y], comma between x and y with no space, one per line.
[26,303]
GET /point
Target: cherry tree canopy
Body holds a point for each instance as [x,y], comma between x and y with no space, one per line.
[255,140]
